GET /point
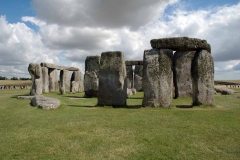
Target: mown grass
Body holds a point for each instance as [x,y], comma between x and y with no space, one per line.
[80,130]
[15,82]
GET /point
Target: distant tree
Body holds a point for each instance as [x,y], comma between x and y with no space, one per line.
[3,78]
[14,78]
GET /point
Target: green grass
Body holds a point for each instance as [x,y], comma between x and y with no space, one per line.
[79,130]
[15,82]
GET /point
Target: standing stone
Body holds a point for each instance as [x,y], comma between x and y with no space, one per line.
[112,79]
[45,80]
[203,78]
[182,73]
[90,84]
[138,83]
[53,80]
[157,77]
[92,63]
[138,73]
[76,82]
[36,74]
[64,81]
[92,66]
[129,76]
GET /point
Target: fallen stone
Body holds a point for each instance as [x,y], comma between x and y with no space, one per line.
[224,91]
[25,97]
[45,102]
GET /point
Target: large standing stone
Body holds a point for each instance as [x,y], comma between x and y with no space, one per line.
[76,82]
[203,78]
[182,62]
[36,75]
[112,79]
[53,80]
[91,84]
[45,80]
[138,73]
[65,81]
[157,77]
[92,66]
[92,63]
[129,76]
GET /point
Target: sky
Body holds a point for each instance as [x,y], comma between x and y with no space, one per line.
[65,32]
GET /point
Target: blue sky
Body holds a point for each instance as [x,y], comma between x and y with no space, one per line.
[65,32]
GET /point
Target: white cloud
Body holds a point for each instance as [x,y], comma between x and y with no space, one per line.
[82,28]
[100,13]
[19,46]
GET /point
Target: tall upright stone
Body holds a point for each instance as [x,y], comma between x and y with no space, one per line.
[112,79]
[53,80]
[45,80]
[203,78]
[92,66]
[65,81]
[182,62]
[129,71]
[90,84]
[138,74]
[157,77]
[77,82]
[35,71]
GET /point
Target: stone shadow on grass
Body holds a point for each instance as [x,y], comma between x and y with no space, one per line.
[184,106]
[15,96]
[97,106]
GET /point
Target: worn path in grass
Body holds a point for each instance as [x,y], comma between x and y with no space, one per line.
[79,130]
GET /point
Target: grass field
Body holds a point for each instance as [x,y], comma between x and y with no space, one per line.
[79,130]
[15,82]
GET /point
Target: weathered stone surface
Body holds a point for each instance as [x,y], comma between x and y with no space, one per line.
[36,74]
[90,84]
[129,72]
[45,80]
[224,91]
[64,81]
[137,76]
[92,63]
[53,66]
[203,78]
[78,82]
[53,80]
[180,44]
[74,87]
[136,62]
[45,102]
[131,91]
[92,66]
[157,77]
[138,83]
[112,79]
[25,97]
[182,78]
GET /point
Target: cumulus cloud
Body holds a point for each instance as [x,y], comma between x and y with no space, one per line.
[100,13]
[79,28]
[19,46]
